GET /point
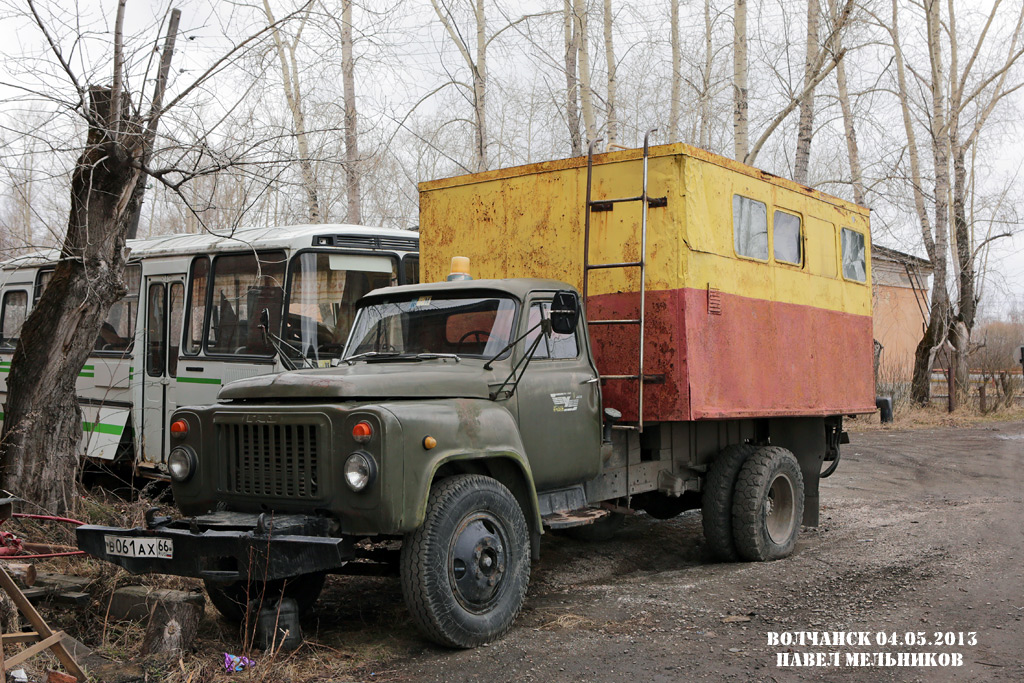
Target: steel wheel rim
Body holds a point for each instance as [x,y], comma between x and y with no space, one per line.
[779,509]
[477,561]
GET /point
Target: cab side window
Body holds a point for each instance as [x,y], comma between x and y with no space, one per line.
[558,346]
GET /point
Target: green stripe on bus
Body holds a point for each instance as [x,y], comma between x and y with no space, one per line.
[199,380]
[102,428]
[86,374]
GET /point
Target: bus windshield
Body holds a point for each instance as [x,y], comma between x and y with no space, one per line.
[465,326]
[323,292]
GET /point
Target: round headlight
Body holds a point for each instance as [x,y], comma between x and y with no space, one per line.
[182,464]
[360,470]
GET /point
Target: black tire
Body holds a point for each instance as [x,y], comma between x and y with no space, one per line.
[716,501]
[231,599]
[601,530]
[768,505]
[465,570]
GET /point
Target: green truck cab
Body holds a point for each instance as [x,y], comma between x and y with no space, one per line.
[463,414]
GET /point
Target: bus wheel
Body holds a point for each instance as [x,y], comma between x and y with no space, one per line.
[716,501]
[465,570]
[768,505]
[232,599]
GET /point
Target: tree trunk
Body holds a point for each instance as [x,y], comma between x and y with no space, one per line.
[42,419]
[805,129]
[741,142]
[677,76]
[480,87]
[609,57]
[705,94]
[586,92]
[353,193]
[937,330]
[571,94]
[293,97]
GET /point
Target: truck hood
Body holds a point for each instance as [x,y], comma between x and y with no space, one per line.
[374,380]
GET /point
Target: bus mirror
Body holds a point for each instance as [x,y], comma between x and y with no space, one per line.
[565,312]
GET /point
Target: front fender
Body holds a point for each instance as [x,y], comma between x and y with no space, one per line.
[478,434]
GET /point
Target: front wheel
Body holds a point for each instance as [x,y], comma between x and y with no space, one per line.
[465,570]
[768,505]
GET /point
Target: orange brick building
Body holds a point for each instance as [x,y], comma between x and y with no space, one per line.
[900,285]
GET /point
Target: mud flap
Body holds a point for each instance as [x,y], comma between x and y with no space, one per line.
[805,438]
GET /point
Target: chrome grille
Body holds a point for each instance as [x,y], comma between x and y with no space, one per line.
[276,460]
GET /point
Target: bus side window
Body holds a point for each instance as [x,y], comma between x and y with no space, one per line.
[13,314]
[118,330]
[242,288]
[410,269]
[176,301]
[195,309]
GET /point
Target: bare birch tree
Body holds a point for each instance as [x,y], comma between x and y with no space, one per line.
[286,47]
[572,50]
[805,129]
[741,145]
[610,65]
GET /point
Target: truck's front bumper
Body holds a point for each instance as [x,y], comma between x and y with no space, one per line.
[208,548]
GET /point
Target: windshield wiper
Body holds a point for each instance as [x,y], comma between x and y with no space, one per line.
[427,356]
[368,354]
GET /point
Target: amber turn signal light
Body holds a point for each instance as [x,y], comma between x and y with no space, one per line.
[429,442]
[179,428]
[362,431]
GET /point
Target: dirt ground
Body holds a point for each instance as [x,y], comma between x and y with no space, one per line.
[921,531]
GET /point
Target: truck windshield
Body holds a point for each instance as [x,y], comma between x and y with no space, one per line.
[322,297]
[465,326]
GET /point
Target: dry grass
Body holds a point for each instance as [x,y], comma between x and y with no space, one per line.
[357,627]
[909,416]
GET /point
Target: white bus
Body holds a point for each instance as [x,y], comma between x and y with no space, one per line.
[193,319]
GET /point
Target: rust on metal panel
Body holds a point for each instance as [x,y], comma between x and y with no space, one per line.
[763,358]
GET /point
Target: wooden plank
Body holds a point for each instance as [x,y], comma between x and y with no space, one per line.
[33,650]
[37,622]
[23,637]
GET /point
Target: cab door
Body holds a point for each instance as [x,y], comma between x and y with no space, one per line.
[559,405]
[164,307]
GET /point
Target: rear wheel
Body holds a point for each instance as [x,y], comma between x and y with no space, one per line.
[716,501]
[232,599]
[465,570]
[768,505]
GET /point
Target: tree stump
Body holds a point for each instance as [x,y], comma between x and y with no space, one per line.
[172,626]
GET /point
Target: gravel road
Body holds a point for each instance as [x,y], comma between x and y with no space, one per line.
[922,534]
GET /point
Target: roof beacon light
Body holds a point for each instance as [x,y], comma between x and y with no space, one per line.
[460,269]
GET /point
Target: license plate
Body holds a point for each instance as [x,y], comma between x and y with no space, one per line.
[126,546]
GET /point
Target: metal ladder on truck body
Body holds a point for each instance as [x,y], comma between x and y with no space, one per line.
[607,205]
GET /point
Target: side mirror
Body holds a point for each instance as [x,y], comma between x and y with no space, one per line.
[565,312]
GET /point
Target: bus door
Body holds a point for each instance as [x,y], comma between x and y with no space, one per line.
[164,304]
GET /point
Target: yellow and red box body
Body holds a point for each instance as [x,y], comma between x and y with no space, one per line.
[727,336]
